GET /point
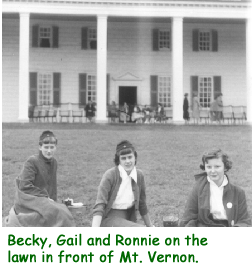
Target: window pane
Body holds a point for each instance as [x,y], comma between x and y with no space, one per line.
[44,36]
[164,91]
[164,39]
[92,38]
[204,40]
[44,89]
[91,88]
[205,91]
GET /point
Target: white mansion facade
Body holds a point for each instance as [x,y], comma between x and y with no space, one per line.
[144,52]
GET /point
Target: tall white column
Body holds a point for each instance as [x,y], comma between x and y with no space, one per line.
[249,68]
[177,69]
[24,67]
[101,69]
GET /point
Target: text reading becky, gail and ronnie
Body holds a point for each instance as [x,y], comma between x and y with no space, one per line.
[119,253]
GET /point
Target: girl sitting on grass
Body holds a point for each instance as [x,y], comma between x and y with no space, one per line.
[121,193]
[214,201]
[35,203]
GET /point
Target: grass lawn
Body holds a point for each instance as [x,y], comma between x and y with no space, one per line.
[168,155]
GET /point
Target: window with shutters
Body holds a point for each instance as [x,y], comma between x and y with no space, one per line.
[205,40]
[92,38]
[45,95]
[164,91]
[164,39]
[45,36]
[91,88]
[205,91]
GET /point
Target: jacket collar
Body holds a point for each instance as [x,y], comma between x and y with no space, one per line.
[224,183]
[124,174]
[41,157]
[228,195]
[203,175]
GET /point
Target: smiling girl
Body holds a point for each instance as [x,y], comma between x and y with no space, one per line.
[121,193]
[214,201]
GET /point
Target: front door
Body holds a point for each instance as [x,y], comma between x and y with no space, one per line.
[128,94]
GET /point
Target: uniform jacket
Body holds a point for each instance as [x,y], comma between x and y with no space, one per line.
[197,211]
[39,177]
[108,189]
[37,183]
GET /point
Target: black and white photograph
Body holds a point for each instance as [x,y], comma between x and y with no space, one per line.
[127,113]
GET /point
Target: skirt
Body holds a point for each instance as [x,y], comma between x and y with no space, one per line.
[120,218]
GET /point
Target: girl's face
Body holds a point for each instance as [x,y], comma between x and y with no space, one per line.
[48,150]
[215,170]
[127,161]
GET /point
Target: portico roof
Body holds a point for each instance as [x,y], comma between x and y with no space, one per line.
[222,9]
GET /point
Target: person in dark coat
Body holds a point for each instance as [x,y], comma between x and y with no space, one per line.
[159,113]
[90,110]
[185,109]
[35,203]
[214,201]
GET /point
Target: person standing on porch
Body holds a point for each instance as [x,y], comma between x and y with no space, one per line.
[196,109]
[90,110]
[113,111]
[216,109]
[125,112]
[159,113]
[121,193]
[185,109]
[146,112]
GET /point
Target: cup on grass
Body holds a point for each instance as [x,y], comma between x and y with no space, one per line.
[171,220]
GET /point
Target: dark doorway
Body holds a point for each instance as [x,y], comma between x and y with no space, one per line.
[128,94]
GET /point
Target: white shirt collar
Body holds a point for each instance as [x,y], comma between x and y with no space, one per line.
[224,183]
[124,174]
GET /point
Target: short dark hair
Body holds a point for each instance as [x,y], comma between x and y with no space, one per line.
[47,137]
[123,148]
[217,95]
[215,154]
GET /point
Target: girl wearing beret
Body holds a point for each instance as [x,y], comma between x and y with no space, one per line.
[214,201]
[121,193]
[35,203]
